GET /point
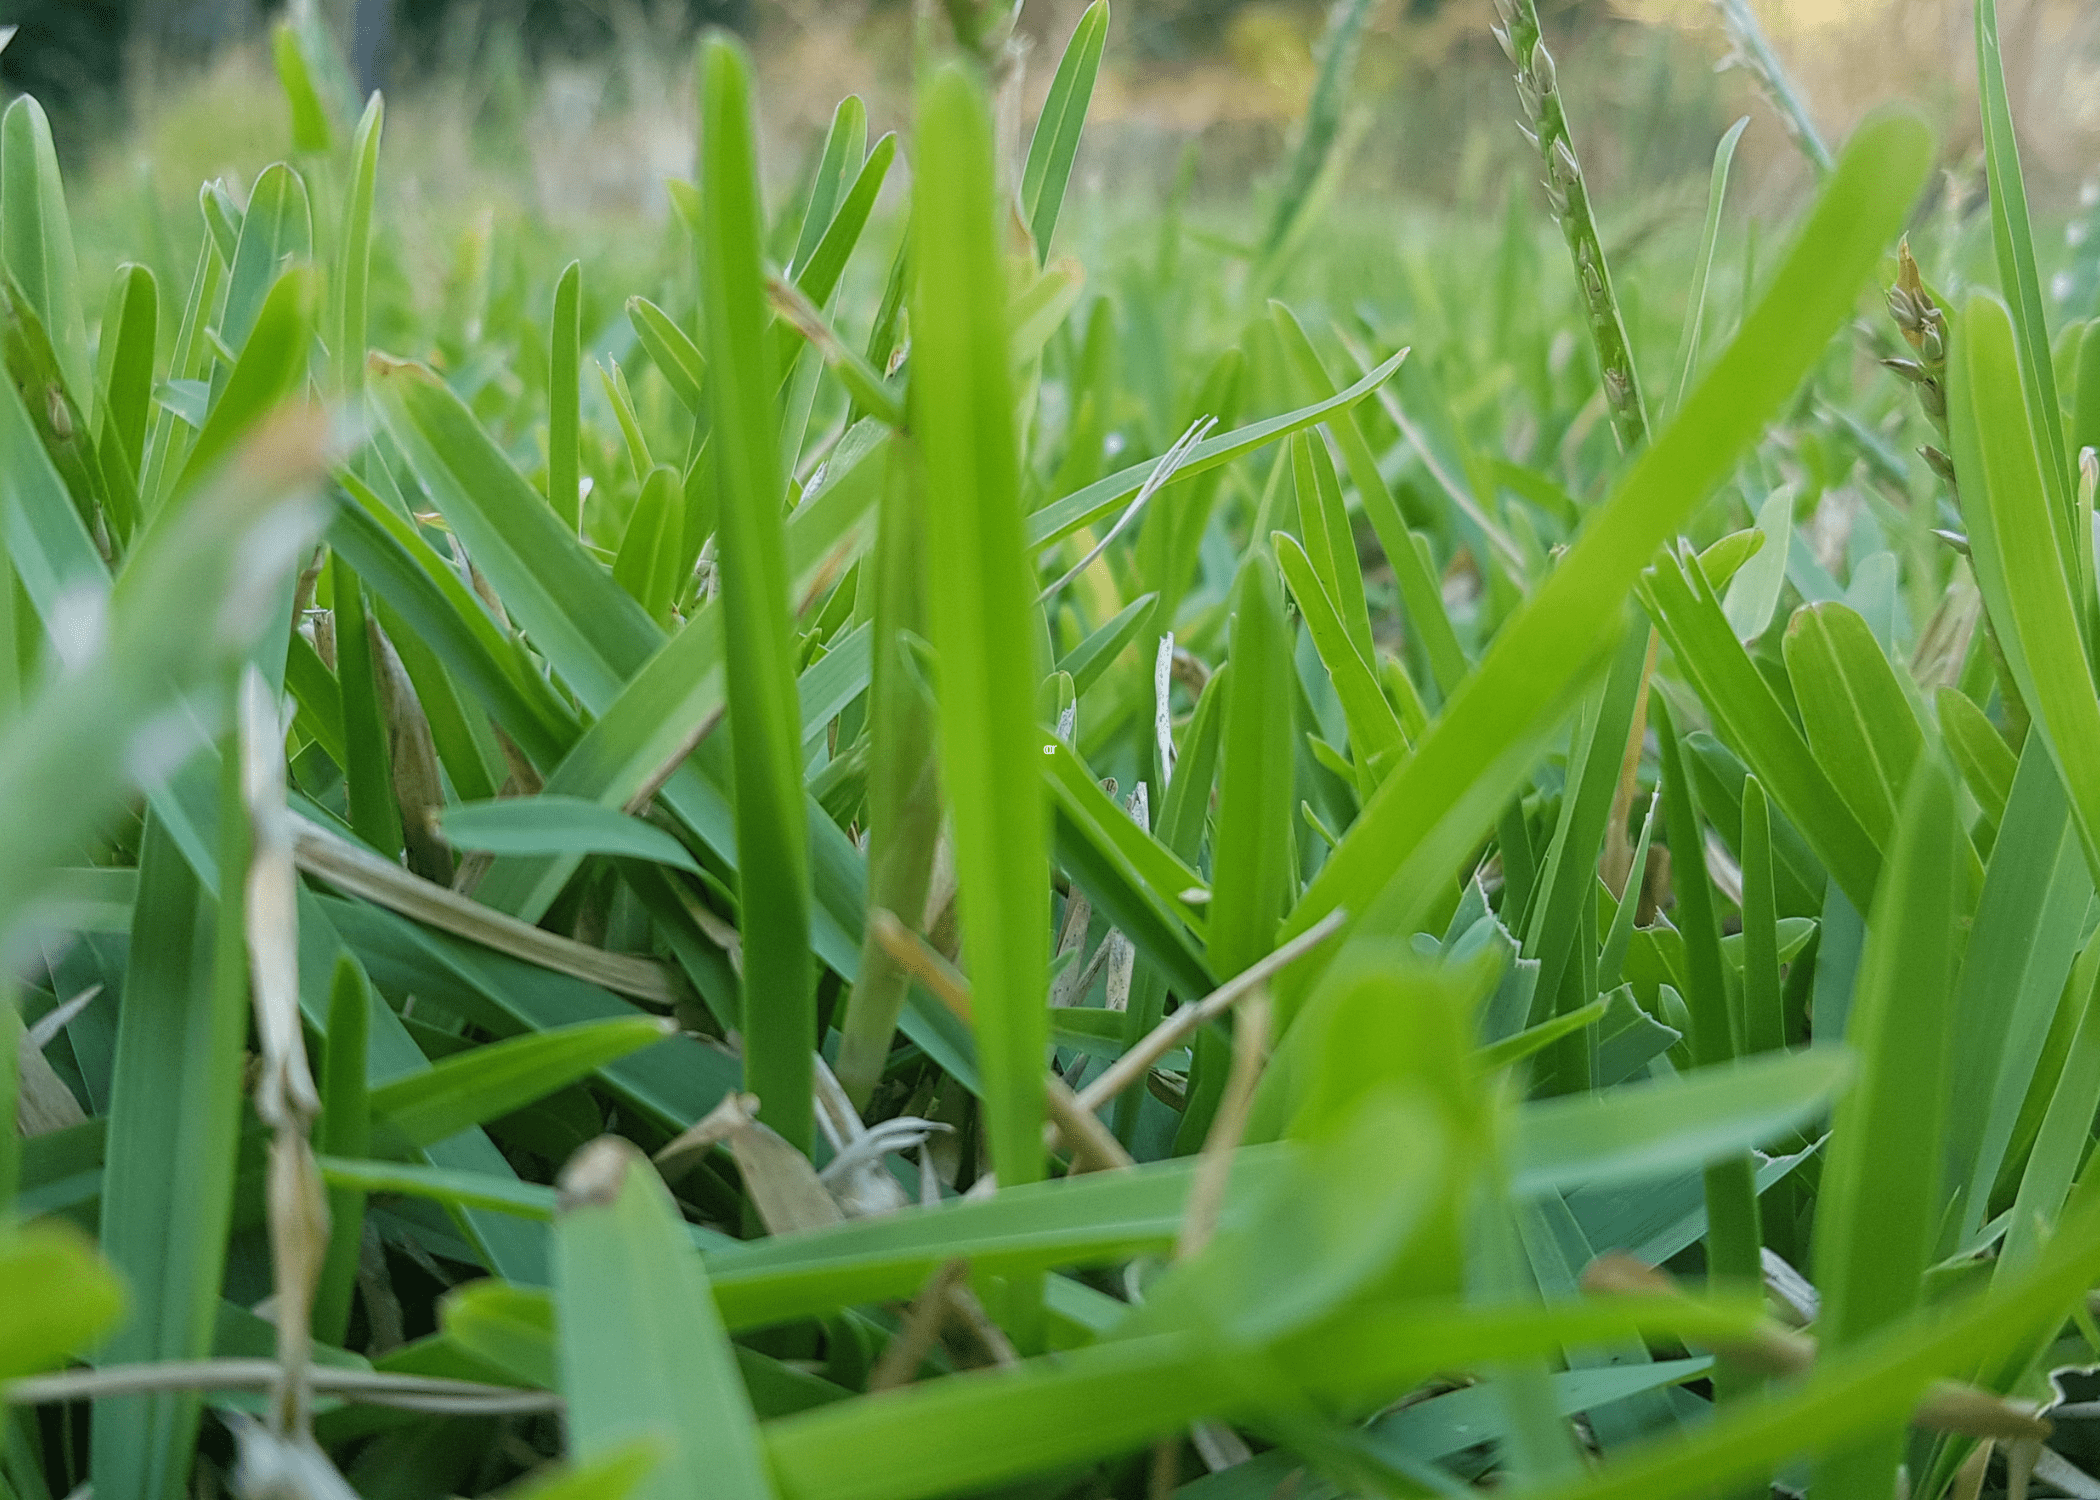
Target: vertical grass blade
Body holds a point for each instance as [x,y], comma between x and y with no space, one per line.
[354,264]
[345,1130]
[1877,1215]
[368,775]
[1057,129]
[643,1353]
[2013,239]
[1703,264]
[980,610]
[903,798]
[564,398]
[36,241]
[174,1120]
[780,1017]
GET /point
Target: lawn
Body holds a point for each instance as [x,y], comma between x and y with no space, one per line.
[905,836]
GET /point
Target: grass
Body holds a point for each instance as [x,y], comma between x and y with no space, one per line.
[823,909]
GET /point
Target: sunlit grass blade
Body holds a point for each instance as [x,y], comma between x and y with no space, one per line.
[982,621]
[779,1010]
[276,230]
[475,1086]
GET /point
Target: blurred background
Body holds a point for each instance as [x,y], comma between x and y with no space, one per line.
[572,113]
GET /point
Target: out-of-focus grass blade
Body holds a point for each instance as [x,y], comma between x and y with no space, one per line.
[980,610]
[1061,518]
[2013,238]
[555,824]
[345,1129]
[354,264]
[564,397]
[643,1353]
[1703,263]
[276,232]
[1057,129]
[1414,833]
[169,440]
[779,1012]
[36,240]
[484,1083]
[1860,725]
[61,1297]
[310,132]
[2059,1152]
[1879,1208]
[1323,121]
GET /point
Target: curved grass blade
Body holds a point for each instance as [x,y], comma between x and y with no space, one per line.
[354,264]
[779,987]
[277,232]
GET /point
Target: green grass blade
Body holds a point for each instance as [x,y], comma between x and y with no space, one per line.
[368,772]
[1860,724]
[1878,1213]
[62,1297]
[1323,122]
[1413,835]
[271,368]
[980,612]
[643,1353]
[36,240]
[484,1083]
[165,1218]
[779,1012]
[1255,854]
[2015,544]
[818,277]
[277,230]
[1764,1024]
[1702,265]
[345,1130]
[2013,239]
[670,350]
[564,397]
[310,132]
[354,263]
[1061,518]
[1055,144]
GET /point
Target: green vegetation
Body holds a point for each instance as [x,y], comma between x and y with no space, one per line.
[689,893]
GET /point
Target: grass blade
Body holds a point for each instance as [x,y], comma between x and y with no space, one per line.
[643,1354]
[983,624]
[1055,143]
[779,1010]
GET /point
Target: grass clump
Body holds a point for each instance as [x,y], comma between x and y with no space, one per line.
[780,920]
